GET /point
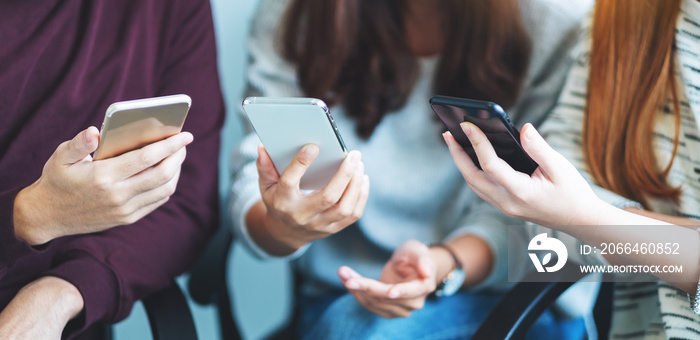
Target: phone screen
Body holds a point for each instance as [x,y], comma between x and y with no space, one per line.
[495,124]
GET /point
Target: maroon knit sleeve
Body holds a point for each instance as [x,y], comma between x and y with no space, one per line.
[11,247]
[115,268]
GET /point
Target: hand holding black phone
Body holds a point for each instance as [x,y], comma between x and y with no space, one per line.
[492,120]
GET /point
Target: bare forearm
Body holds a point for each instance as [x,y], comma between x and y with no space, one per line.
[264,233]
[41,310]
[28,221]
[679,221]
[616,225]
[476,257]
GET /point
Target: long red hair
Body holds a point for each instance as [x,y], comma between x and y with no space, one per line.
[631,76]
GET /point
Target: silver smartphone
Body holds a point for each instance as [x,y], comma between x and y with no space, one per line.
[285,125]
[132,124]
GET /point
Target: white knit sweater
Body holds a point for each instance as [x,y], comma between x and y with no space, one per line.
[416,191]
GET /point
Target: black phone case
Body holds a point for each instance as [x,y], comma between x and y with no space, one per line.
[492,120]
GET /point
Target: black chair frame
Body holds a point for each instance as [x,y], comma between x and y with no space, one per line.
[509,320]
[208,284]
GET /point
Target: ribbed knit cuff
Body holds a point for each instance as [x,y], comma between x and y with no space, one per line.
[97,284]
[11,247]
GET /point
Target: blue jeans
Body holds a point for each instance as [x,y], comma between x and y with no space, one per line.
[455,317]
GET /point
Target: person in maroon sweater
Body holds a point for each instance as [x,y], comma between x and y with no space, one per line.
[82,240]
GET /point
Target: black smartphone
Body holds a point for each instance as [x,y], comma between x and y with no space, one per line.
[492,120]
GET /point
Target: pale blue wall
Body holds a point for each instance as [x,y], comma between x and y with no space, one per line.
[260,289]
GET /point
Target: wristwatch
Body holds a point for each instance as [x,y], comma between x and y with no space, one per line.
[453,281]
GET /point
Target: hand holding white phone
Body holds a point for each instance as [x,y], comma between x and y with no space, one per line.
[285,125]
[302,150]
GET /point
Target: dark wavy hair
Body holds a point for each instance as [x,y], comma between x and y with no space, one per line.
[355,53]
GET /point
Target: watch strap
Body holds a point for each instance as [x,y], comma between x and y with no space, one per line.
[458,263]
[454,279]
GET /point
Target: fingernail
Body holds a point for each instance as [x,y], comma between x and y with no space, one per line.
[354,157]
[393,294]
[353,285]
[189,137]
[360,169]
[86,136]
[445,136]
[528,133]
[310,150]
[344,274]
[467,128]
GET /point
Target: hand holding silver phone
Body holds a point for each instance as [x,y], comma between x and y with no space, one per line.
[132,124]
[285,125]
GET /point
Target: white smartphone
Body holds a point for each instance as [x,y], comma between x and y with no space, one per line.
[285,125]
[132,124]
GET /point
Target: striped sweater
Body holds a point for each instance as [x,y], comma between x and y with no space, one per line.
[647,310]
